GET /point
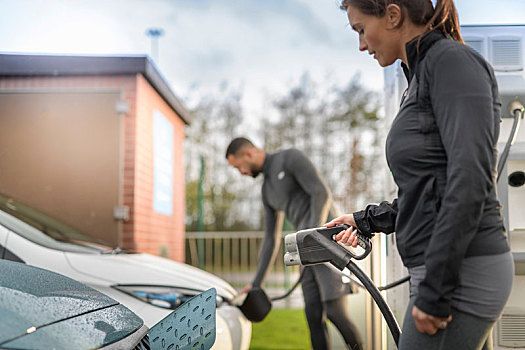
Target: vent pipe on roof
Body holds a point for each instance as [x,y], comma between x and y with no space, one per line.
[155,34]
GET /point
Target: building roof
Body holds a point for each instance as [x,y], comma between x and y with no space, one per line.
[64,65]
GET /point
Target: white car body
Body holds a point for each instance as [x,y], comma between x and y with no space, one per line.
[105,271]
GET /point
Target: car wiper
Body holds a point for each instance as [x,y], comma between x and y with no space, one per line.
[116,250]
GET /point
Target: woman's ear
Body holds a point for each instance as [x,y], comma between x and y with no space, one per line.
[393,16]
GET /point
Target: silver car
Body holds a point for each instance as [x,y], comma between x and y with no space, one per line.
[148,285]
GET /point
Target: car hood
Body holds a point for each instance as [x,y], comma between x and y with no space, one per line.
[31,298]
[85,331]
[146,269]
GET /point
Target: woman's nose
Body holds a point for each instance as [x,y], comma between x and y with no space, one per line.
[362,44]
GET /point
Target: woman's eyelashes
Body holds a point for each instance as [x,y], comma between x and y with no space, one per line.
[358,29]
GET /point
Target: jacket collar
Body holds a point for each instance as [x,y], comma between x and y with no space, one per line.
[415,55]
[267,161]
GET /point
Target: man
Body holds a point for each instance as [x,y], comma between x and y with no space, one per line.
[293,185]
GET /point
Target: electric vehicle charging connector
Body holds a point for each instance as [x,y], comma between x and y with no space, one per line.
[317,246]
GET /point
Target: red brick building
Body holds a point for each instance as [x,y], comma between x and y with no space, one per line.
[96,142]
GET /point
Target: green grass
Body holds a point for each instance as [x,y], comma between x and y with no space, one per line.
[282,329]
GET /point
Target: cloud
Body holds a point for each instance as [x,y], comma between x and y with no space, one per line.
[256,41]
[296,14]
[258,46]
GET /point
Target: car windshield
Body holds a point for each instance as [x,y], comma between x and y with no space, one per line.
[52,228]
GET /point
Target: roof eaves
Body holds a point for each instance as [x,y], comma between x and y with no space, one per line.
[53,65]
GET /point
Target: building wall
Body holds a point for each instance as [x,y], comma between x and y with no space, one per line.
[56,148]
[154,232]
[145,231]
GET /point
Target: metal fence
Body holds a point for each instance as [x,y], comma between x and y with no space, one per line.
[233,256]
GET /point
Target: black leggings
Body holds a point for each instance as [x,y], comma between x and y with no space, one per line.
[336,311]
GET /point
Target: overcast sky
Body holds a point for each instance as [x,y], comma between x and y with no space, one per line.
[257,45]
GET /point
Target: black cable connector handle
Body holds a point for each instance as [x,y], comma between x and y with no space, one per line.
[363,241]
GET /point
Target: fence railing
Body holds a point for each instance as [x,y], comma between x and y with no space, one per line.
[234,255]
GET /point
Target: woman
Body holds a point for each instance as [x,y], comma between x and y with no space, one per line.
[441,150]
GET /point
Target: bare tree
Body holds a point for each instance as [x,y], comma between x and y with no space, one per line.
[336,126]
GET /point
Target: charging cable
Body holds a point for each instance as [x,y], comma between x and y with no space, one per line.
[516,110]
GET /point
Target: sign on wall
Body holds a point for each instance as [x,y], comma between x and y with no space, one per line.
[162,164]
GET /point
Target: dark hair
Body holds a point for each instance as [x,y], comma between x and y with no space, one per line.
[420,12]
[238,144]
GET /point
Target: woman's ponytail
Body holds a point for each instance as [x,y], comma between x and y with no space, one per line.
[446,18]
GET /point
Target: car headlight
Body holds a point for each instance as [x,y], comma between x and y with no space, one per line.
[162,296]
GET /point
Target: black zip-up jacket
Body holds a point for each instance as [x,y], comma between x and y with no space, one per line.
[441,150]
